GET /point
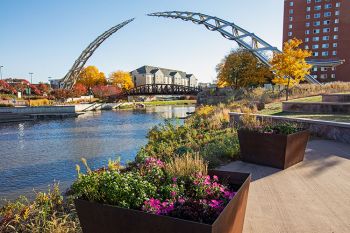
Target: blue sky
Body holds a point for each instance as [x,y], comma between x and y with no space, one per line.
[46,36]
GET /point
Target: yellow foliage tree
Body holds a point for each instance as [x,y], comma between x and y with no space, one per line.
[91,77]
[122,80]
[290,66]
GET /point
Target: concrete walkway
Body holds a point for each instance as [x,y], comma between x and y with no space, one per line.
[310,197]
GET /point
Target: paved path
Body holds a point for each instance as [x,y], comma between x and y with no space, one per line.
[310,197]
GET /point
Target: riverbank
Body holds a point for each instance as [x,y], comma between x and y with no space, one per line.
[133,105]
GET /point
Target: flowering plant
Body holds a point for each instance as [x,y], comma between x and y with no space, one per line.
[150,187]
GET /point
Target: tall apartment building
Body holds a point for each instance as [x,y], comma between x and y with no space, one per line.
[324,27]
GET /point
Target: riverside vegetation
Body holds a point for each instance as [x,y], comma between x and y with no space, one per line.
[173,151]
[160,179]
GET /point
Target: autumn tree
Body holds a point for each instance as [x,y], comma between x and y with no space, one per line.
[79,89]
[91,77]
[122,80]
[44,88]
[290,66]
[241,69]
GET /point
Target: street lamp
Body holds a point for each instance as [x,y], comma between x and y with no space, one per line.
[31,77]
[1,71]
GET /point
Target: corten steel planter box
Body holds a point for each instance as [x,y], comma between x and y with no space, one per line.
[101,218]
[274,150]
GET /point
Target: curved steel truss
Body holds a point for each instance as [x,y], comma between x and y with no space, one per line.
[71,77]
[257,46]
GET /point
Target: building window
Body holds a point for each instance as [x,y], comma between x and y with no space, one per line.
[306,47]
[317,8]
[308,1]
[325,46]
[314,69]
[335,45]
[307,39]
[333,76]
[315,54]
[337,4]
[308,8]
[337,13]
[323,76]
[326,22]
[316,16]
[336,29]
[290,33]
[325,54]
[291,4]
[307,24]
[290,18]
[318,0]
[335,37]
[315,46]
[324,69]
[317,23]
[327,14]
[326,30]
[307,32]
[334,53]
[290,26]
[291,11]
[316,38]
[328,6]
[307,16]
[316,31]
[336,21]
[325,38]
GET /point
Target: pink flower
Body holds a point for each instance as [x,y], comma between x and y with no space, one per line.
[174,179]
[215,178]
[173,193]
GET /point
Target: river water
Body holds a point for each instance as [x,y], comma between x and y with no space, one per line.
[35,154]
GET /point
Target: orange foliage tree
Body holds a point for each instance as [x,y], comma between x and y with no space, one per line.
[290,66]
[91,77]
[122,80]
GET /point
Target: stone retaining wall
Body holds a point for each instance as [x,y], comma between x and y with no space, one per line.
[325,129]
[319,107]
[41,110]
[336,98]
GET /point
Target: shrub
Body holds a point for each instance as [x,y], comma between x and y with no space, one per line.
[39,102]
[6,105]
[47,213]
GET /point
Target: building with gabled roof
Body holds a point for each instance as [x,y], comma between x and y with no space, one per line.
[156,75]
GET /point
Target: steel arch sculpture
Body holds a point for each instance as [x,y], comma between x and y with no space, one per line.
[257,46]
[71,77]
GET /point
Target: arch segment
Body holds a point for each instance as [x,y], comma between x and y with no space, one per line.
[257,46]
[71,77]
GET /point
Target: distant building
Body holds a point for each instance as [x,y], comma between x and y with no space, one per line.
[323,25]
[55,83]
[155,75]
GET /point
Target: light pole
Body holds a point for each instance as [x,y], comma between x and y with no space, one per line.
[1,71]
[31,77]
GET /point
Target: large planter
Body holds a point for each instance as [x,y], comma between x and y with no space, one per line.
[274,150]
[101,218]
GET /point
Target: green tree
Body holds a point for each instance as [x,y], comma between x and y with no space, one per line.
[241,69]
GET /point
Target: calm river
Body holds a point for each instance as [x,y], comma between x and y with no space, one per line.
[35,154]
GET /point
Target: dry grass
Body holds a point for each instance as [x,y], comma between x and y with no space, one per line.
[186,165]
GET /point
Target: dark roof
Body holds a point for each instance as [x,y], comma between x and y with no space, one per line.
[166,72]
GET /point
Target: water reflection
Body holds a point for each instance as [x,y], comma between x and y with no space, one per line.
[34,154]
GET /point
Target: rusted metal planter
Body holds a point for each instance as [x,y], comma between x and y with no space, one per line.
[95,217]
[274,150]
